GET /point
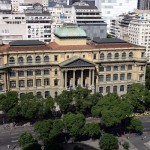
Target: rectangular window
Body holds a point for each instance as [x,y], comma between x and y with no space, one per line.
[141,76]
[12,84]
[29,73]
[37,72]
[115,89]
[142,68]
[108,89]
[101,89]
[129,76]
[123,67]
[55,57]
[46,81]
[122,76]
[115,77]
[21,83]
[20,73]
[108,77]
[94,56]
[122,88]
[46,72]
[142,54]
[108,68]
[129,67]
[29,83]
[115,68]
[12,74]
[101,78]
[38,82]
[101,69]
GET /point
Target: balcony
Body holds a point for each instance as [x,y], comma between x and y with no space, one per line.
[105,60]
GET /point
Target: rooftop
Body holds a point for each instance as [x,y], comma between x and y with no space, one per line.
[27,43]
[70,31]
[108,40]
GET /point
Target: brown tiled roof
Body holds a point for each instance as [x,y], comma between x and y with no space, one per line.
[8,48]
[55,46]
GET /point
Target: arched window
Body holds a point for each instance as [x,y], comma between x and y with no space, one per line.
[121,88]
[47,93]
[29,59]
[102,56]
[38,59]
[20,60]
[123,55]
[38,94]
[12,60]
[109,56]
[116,55]
[46,58]
[130,55]
[56,94]
[115,89]
[108,89]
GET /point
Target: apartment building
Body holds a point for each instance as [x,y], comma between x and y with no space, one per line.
[106,65]
[144,4]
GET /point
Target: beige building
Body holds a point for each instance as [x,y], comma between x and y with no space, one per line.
[107,65]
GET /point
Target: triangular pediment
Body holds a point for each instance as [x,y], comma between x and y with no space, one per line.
[76,62]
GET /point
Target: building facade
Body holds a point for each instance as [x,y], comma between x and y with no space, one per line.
[108,65]
[144,4]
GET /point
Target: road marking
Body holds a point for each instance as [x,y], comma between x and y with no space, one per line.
[14,141]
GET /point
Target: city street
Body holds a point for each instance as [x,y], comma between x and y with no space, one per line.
[10,137]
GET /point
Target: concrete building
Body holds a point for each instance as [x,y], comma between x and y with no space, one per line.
[5,6]
[144,4]
[89,18]
[16,3]
[107,65]
[110,9]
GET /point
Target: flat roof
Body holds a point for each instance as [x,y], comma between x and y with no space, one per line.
[27,43]
[108,40]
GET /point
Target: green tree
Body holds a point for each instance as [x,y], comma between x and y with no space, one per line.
[9,104]
[32,146]
[147,78]
[74,123]
[49,130]
[139,97]
[112,110]
[108,142]
[25,139]
[91,130]
[64,100]
[126,145]
[135,125]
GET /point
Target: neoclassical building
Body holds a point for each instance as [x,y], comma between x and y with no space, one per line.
[106,65]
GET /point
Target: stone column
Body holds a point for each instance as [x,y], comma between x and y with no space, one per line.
[89,78]
[17,79]
[62,79]
[81,78]
[42,79]
[5,82]
[93,78]
[74,77]
[25,74]
[65,79]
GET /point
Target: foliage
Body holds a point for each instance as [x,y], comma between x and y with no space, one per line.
[139,97]
[76,147]
[25,139]
[64,100]
[135,125]
[32,146]
[112,110]
[74,123]
[126,145]
[9,103]
[32,107]
[91,130]
[49,130]
[147,78]
[108,142]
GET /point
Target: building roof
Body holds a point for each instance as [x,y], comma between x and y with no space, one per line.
[27,43]
[70,31]
[85,7]
[108,40]
[76,62]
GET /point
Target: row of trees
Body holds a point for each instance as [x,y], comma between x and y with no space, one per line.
[28,106]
